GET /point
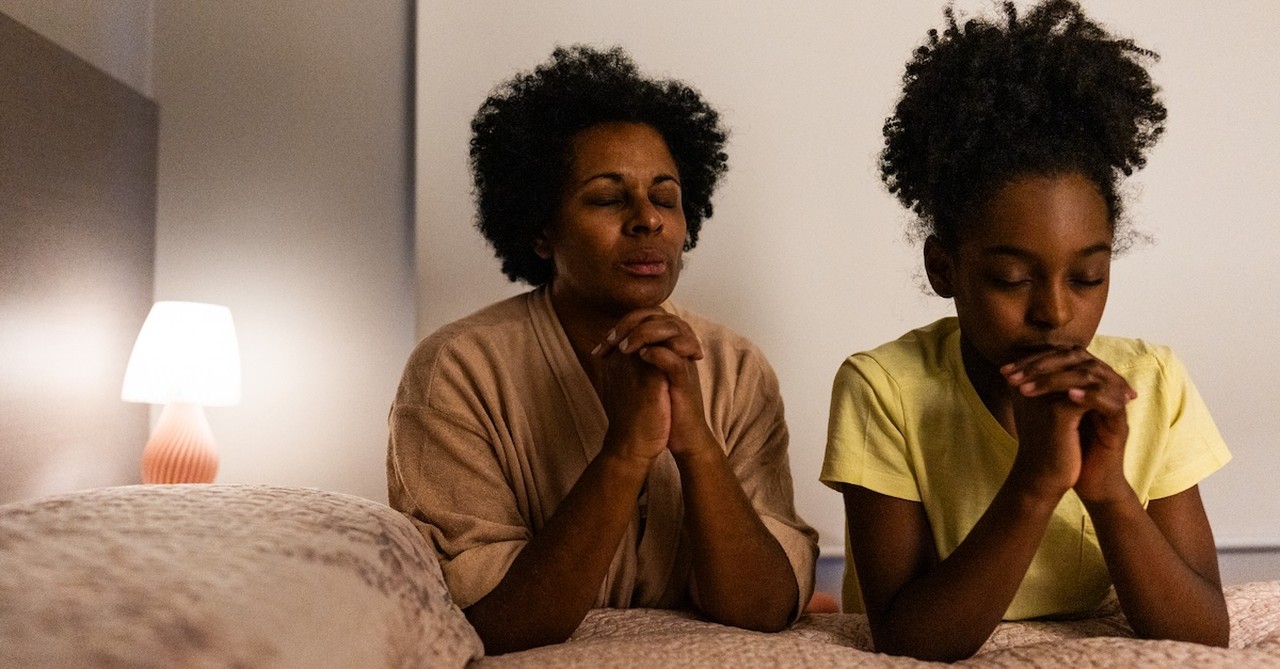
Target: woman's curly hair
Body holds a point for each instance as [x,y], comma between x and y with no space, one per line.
[1045,94]
[522,139]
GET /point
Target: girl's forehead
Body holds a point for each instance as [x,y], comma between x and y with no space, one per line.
[1042,215]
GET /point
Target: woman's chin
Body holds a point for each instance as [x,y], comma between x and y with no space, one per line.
[644,298]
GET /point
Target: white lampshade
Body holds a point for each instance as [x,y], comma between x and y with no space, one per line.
[186,353]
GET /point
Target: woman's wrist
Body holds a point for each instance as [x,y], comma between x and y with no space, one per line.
[620,461]
[699,449]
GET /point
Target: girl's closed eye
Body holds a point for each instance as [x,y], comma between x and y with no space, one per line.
[1009,280]
[1089,281]
[1090,275]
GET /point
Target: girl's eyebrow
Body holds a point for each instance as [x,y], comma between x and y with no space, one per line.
[1019,252]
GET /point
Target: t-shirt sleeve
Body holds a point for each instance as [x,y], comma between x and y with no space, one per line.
[866,446]
[756,439]
[443,473]
[1195,449]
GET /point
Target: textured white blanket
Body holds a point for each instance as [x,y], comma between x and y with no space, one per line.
[257,576]
[221,576]
[666,639]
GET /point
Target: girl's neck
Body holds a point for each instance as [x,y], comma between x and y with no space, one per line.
[990,385]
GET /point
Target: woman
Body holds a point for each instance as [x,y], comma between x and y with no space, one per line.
[588,444]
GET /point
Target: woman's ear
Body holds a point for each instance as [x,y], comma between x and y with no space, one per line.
[542,246]
[939,266]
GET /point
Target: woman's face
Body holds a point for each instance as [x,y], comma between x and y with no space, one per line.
[617,239]
[1033,272]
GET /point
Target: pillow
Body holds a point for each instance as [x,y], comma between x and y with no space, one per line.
[221,575]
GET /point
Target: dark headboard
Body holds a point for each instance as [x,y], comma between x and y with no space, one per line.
[77,258]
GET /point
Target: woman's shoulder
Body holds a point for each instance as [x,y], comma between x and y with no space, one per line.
[709,330]
[723,346]
[497,328]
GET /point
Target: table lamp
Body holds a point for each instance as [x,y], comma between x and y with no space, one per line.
[186,358]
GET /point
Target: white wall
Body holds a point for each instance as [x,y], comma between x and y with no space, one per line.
[113,36]
[284,192]
[805,254]
[284,179]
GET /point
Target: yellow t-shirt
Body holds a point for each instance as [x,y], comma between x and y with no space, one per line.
[906,422]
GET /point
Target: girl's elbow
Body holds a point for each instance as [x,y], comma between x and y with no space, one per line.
[1208,633]
[936,649]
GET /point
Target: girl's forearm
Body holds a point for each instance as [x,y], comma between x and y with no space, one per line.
[1161,594]
[950,611]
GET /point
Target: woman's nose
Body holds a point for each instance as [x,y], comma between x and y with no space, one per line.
[645,218]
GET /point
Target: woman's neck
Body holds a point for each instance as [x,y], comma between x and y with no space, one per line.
[585,329]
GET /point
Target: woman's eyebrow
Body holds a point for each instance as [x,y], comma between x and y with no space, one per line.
[617,177]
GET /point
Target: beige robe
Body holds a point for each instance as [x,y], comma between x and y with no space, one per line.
[495,420]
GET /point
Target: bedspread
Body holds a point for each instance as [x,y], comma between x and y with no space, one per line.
[258,576]
[221,576]
[665,639]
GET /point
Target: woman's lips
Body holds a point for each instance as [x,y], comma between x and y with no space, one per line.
[648,263]
[646,267]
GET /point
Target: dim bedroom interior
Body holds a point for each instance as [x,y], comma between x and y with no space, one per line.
[111,159]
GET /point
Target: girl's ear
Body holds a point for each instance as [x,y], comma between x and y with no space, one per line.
[939,266]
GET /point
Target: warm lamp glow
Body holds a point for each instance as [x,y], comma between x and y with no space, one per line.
[186,357]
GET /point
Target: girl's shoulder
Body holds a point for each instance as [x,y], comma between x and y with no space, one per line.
[918,356]
[1152,369]
[1130,354]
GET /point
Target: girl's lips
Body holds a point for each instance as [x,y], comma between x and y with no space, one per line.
[1022,351]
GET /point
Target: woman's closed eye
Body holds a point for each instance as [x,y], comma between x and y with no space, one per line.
[604,199]
[666,202]
[665,195]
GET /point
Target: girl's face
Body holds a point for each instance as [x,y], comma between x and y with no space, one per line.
[619,235]
[1033,272]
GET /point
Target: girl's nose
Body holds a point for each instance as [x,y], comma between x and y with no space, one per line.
[1050,306]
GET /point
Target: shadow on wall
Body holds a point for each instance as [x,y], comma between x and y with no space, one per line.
[77,254]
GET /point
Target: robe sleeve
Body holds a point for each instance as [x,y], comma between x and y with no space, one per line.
[756,439]
[443,472]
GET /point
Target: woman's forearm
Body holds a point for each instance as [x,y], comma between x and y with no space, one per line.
[742,576]
[556,578]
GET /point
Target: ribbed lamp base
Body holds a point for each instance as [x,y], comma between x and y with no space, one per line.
[181,447]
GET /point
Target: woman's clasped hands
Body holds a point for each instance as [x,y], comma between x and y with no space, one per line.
[650,386]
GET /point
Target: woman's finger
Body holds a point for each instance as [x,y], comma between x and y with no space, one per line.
[653,328]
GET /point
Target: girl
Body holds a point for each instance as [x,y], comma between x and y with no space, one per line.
[1007,463]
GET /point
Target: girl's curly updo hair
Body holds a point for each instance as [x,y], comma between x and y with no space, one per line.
[522,139]
[1046,94]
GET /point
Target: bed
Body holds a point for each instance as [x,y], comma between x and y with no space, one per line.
[264,576]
